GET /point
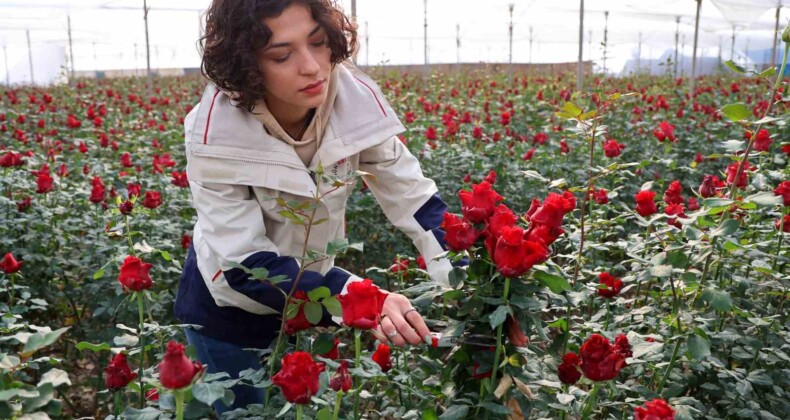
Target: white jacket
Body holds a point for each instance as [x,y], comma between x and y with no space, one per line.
[236,169]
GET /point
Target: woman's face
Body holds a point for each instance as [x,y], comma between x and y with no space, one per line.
[298,55]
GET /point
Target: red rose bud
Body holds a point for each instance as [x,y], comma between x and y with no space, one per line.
[176,370]
[568,371]
[382,357]
[44,183]
[783,190]
[785,227]
[622,346]
[134,274]
[710,186]
[478,204]
[298,377]
[600,196]
[612,148]
[333,353]
[421,263]
[657,409]
[673,194]
[126,207]
[763,141]
[298,322]
[9,264]
[491,177]
[743,180]
[514,332]
[362,304]
[599,360]
[152,200]
[342,379]
[118,374]
[152,394]
[645,205]
[399,265]
[693,204]
[609,285]
[665,131]
[186,240]
[460,235]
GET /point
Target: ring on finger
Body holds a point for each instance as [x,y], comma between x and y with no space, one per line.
[392,334]
[409,310]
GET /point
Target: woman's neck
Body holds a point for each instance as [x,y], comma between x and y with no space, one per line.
[290,118]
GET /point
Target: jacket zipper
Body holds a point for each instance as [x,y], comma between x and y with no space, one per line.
[248,160]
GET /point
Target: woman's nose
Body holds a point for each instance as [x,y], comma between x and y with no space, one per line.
[309,64]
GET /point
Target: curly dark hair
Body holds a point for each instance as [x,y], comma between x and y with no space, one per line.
[235,31]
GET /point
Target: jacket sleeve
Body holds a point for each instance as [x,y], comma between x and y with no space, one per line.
[409,200]
[232,226]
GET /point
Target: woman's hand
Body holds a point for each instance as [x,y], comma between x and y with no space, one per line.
[401,323]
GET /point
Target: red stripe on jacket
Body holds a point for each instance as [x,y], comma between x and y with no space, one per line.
[208,119]
[374,95]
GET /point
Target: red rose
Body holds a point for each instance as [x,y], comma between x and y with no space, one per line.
[118,374]
[543,234]
[133,189]
[553,209]
[399,265]
[763,141]
[665,131]
[710,186]
[528,155]
[657,409]
[126,207]
[362,304]
[299,322]
[784,190]
[502,217]
[491,177]
[176,370]
[342,379]
[743,180]
[126,160]
[693,204]
[179,179]
[611,286]
[480,375]
[785,227]
[459,234]
[599,360]
[134,274]
[152,200]
[568,371]
[645,205]
[675,210]
[622,346]
[515,255]
[514,332]
[478,205]
[699,158]
[333,353]
[186,240]
[9,264]
[382,357]
[23,204]
[612,148]
[44,183]
[600,196]
[673,194]
[421,262]
[152,394]
[298,377]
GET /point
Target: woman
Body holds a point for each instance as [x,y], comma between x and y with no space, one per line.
[282,101]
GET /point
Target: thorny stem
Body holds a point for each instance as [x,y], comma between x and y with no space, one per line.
[584,202]
[499,338]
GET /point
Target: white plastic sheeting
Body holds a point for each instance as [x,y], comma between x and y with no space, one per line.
[109,34]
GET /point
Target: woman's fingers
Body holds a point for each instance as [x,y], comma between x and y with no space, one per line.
[416,321]
[391,332]
[405,329]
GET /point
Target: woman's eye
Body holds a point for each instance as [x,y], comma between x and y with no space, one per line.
[319,43]
[281,60]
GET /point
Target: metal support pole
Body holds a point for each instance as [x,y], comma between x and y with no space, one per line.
[425,39]
[458,43]
[776,33]
[30,57]
[530,45]
[510,48]
[605,38]
[95,60]
[589,45]
[694,50]
[5,60]
[732,44]
[639,55]
[71,48]
[354,23]
[367,45]
[147,43]
[579,65]
[677,37]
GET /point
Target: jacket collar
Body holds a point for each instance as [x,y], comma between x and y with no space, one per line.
[360,118]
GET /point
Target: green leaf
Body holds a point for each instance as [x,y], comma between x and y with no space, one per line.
[678,259]
[661,271]
[770,71]
[698,347]
[495,408]
[82,345]
[728,227]
[313,312]
[148,413]
[499,315]
[718,299]
[165,255]
[323,343]
[456,276]
[324,414]
[764,199]
[292,310]
[332,305]
[55,377]
[293,217]
[455,412]
[98,274]
[319,293]
[207,393]
[40,340]
[45,395]
[555,283]
[734,67]
[736,112]
[716,202]
[569,110]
